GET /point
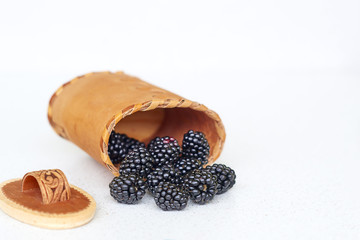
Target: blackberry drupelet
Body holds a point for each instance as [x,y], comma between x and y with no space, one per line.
[138,161]
[120,145]
[179,179]
[225,176]
[195,145]
[201,186]
[165,173]
[186,165]
[169,197]
[165,150]
[128,188]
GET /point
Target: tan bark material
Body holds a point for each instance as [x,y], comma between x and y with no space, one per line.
[88,108]
[45,199]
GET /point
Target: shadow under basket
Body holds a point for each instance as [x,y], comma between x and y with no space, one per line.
[88,108]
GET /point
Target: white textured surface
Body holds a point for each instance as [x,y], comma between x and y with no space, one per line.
[284,78]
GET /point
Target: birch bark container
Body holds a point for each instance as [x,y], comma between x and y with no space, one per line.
[88,108]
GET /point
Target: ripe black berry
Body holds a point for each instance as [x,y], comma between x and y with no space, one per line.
[225,176]
[128,188]
[120,145]
[160,175]
[165,150]
[201,185]
[186,165]
[195,145]
[138,161]
[165,173]
[169,197]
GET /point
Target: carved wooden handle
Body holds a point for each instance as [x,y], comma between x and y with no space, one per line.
[53,185]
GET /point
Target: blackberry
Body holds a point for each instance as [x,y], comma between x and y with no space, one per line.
[120,145]
[169,197]
[138,161]
[165,173]
[201,186]
[128,188]
[225,176]
[195,145]
[179,179]
[186,165]
[165,150]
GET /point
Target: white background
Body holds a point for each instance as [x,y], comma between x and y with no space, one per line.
[283,75]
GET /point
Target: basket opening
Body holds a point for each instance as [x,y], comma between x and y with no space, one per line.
[174,122]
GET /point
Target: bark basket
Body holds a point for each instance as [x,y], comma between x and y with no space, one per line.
[88,108]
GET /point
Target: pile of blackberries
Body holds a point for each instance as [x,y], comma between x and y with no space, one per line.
[170,173]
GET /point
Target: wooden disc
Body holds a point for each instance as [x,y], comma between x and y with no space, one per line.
[27,207]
